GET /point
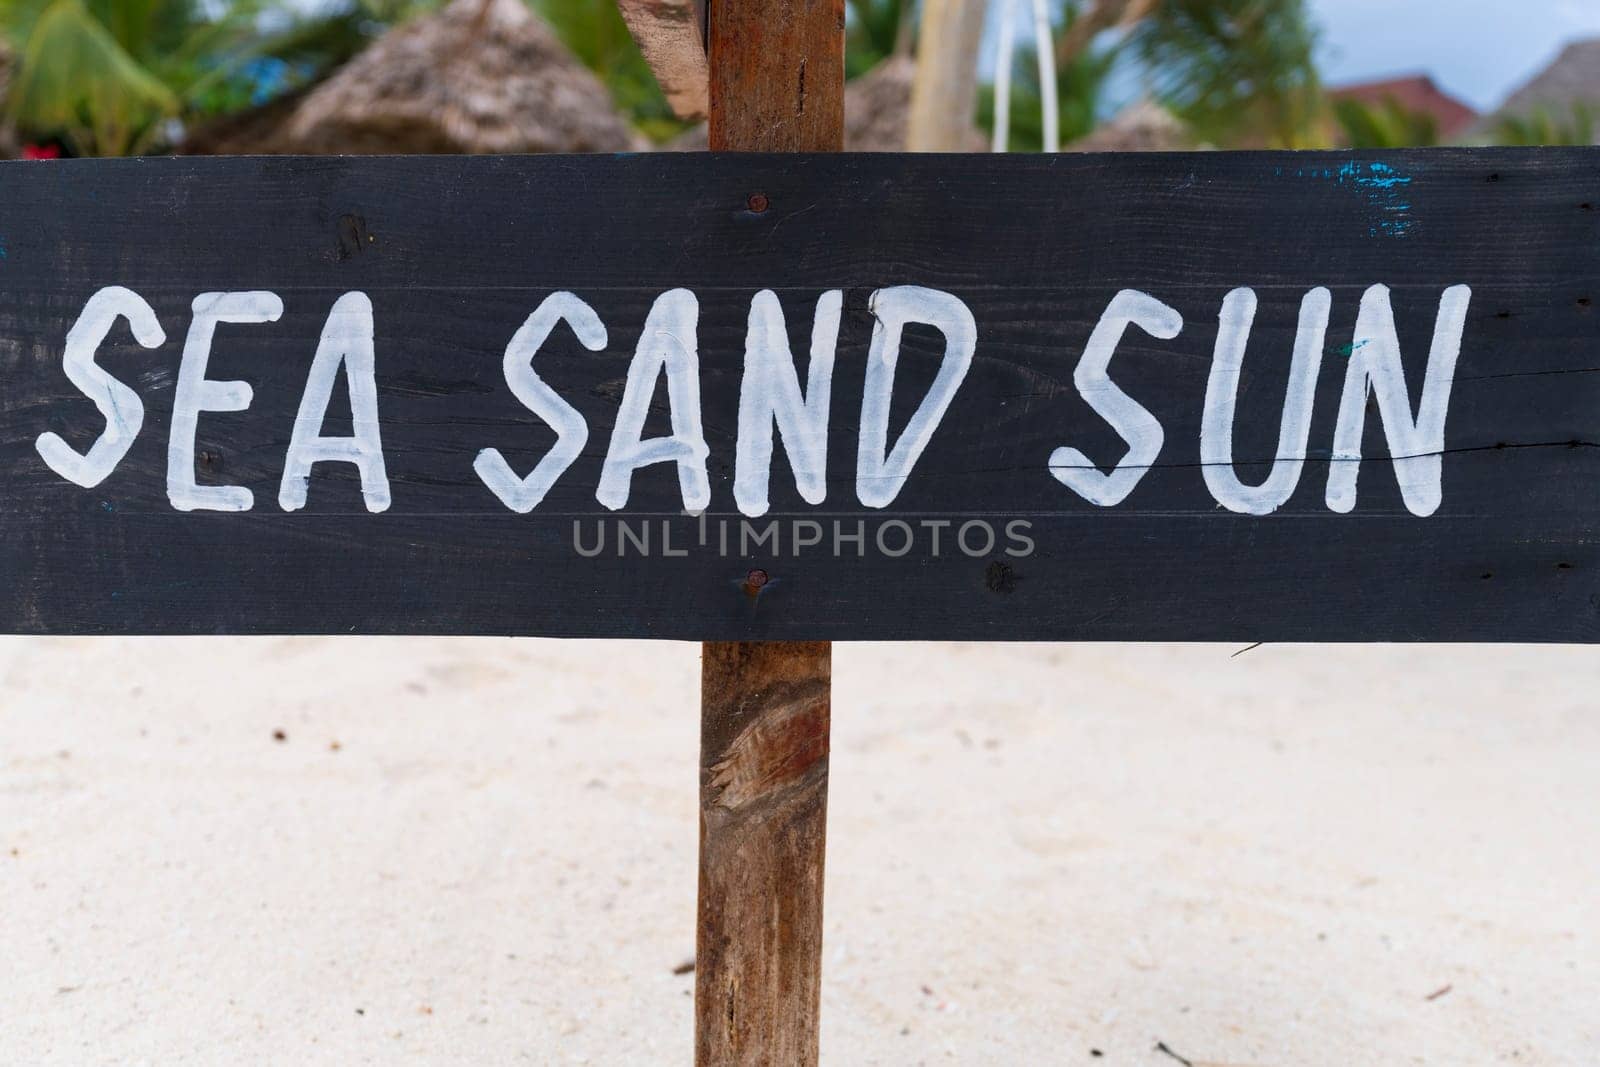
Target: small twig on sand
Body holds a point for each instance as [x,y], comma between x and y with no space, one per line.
[1161,1046]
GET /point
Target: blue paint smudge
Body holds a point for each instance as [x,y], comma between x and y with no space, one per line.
[1378,175]
[1382,186]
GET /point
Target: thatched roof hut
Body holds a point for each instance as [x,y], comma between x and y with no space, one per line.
[479,76]
[1558,91]
[1142,126]
[877,112]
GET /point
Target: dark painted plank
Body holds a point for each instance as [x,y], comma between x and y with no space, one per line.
[455,254]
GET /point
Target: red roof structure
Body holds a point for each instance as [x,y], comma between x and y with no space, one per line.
[1418,93]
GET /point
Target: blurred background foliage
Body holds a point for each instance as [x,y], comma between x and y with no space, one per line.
[1388,124]
[595,32]
[1545,126]
[103,76]
[875,30]
[120,77]
[1237,73]
[1234,71]
[1083,80]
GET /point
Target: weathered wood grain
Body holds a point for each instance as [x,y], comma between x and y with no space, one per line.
[764,731]
[777,76]
[671,35]
[455,254]
[765,707]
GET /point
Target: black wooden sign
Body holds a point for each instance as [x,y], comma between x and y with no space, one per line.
[1255,396]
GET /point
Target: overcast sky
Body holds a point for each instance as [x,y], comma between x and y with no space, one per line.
[1477,49]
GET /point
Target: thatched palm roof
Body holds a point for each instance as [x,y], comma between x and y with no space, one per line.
[1572,81]
[479,76]
[877,107]
[1142,126]
[1574,78]
[877,112]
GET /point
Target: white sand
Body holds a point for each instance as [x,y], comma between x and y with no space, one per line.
[1033,852]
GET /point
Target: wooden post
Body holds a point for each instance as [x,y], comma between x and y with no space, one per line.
[671,35]
[777,75]
[777,85]
[764,713]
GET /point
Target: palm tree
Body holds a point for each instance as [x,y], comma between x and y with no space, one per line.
[103,75]
[1235,71]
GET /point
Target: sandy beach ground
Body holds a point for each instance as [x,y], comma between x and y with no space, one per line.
[362,851]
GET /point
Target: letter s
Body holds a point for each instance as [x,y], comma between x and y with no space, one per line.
[118,405]
[1131,419]
[523,494]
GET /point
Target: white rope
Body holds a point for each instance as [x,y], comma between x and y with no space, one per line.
[1047,76]
[1002,77]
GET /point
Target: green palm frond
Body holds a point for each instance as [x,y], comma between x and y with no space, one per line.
[74,77]
[1544,127]
[594,32]
[18,17]
[1235,71]
[1386,125]
[875,30]
[103,76]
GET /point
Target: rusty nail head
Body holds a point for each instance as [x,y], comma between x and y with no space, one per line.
[757,202]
